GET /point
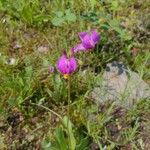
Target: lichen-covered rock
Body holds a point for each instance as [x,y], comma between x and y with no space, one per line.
[121,85]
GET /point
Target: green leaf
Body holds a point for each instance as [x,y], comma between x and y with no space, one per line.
[105,26]
[59,14]
[46,145]
[114,4]
[60,138]
[83,145]
[29,71]
[93,3]
[57,21]
[70,16]
[1,6]
[114,23]
[68,125]
[40,18]
[27,14]
[12,102]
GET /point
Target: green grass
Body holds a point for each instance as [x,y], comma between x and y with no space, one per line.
[29,94]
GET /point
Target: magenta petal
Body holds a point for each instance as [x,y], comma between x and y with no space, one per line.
[78,47]
[88,42]
[61,65]
[95,37]
[82,35]
[73,64]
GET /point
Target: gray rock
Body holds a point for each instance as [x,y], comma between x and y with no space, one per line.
[121,85]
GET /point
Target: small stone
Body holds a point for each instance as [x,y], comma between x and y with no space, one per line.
[34,120]
[17,45]
[30,138]
[43,49]
[11,61]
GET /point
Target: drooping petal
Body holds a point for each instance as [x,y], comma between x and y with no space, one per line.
[95,37]
[87,42]
[78,47]
[73,64]
[61,65]
[82,35]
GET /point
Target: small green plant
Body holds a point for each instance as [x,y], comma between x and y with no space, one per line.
[65,138]
[130,133]
[61,17]
[56,89]
[28,11]
[18,84]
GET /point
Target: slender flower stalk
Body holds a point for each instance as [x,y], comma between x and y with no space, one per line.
[67,66]
[69,96]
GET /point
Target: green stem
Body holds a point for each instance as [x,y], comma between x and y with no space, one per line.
[69,95]
[68,113]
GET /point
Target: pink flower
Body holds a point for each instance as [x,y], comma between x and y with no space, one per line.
[66,65]
[88,41]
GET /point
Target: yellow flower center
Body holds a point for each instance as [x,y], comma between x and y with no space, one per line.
[66,76]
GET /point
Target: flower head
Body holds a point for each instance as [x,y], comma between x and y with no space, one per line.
[88,41]
[66,65]
[51,69]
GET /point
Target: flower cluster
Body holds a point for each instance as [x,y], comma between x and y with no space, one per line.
[88,41]
[67,65]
